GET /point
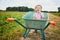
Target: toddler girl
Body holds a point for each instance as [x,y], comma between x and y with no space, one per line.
[38,14]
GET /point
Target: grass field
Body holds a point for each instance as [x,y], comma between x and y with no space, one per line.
[12,31]
[56,13]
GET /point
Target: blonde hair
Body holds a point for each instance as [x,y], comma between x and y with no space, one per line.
[38,5]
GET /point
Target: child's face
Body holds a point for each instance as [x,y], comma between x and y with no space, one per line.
[38,8]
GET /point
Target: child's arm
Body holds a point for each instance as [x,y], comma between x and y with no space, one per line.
[34,16]
[42,15]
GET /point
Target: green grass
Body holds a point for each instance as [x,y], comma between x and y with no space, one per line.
[10,30]
[57,13]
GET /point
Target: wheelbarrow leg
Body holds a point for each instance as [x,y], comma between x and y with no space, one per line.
[26,33]
[43,36]
[35,30]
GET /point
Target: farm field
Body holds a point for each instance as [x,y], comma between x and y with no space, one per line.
[13,31]
[57,13]
[10,30]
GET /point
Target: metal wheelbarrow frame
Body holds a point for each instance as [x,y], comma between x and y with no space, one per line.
[28,28]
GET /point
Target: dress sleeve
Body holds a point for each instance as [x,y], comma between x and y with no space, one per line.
[42,15]
[34,15]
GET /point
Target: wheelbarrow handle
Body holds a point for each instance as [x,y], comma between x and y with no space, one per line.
[52,23]
[14,19]
[19,23]
[10,19]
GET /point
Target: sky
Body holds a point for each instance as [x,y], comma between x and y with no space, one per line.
[48,5]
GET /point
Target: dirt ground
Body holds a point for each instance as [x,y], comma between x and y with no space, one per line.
[51,33]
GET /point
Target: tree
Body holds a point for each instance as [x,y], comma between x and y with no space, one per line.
[58,9]
[8,8]
[21,8]
[30,9]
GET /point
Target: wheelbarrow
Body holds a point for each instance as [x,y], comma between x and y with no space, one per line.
[31,23]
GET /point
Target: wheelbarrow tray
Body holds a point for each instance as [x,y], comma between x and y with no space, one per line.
[32,23]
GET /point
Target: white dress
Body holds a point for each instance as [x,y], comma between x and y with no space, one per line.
[38,15]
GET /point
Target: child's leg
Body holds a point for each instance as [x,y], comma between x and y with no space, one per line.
[35,30]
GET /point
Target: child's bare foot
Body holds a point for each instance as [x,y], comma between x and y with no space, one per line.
[22,38]
[31,31]
[35,31]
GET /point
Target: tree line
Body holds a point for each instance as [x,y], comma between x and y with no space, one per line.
[22,9]
[58,9]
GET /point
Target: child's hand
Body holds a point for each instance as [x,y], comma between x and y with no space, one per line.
[35,17]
